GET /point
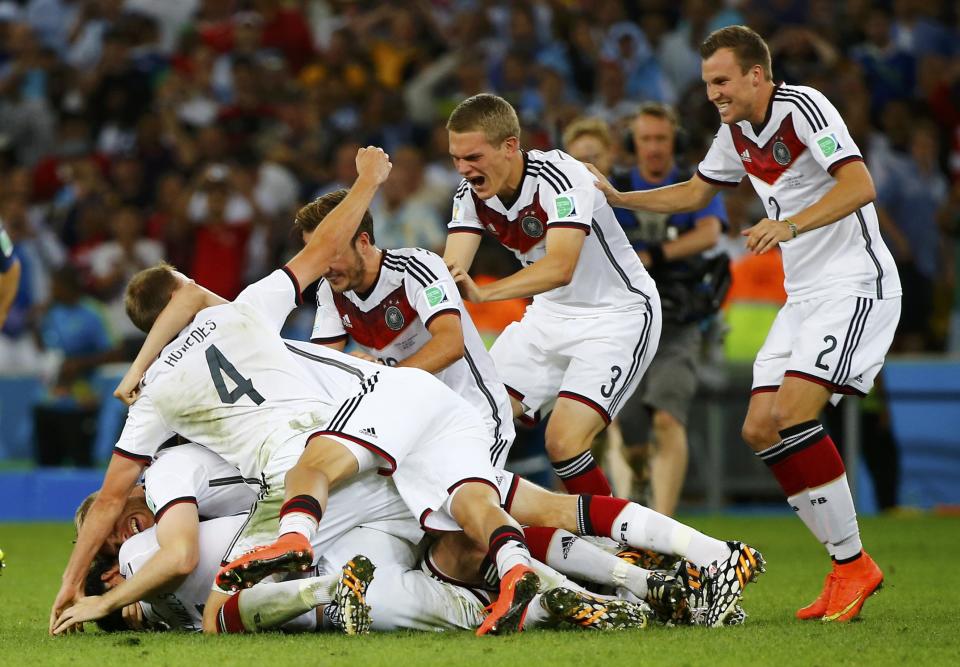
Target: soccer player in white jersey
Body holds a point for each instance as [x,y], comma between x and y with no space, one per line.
[186,483]
[594,325]
[843,292]
[286,436]
[402,308]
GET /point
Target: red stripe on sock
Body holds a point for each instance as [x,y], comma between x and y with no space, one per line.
[603,512]
[789,476]
[538,541]
[228,620]
[592,481]
[819,463]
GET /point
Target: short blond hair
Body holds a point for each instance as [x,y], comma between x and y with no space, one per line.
[81,514]
[486,113]
[587,127]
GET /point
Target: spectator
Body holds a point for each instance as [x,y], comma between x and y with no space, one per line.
[407,214]
[909,201]
[9,274]
[74,331]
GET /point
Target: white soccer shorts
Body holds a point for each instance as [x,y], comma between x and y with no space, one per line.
[838,343]
[597,360]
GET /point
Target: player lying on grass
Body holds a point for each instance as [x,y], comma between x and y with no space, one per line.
[270,426]
[400,598]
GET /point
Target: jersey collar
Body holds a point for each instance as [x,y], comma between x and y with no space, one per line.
[507,205]
[363,296]
[768,115]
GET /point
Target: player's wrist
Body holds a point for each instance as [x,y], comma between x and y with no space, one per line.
[791,227]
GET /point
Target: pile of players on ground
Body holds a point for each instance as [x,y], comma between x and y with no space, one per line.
[266,460]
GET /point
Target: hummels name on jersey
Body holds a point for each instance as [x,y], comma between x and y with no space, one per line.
[197,335]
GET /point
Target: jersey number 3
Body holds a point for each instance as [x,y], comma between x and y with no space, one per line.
[218,365]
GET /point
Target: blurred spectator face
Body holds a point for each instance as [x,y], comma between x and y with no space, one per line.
[246,32]
[126,225]
[66,285]
[611,83]
[212,142]
[592,149]
[878,27]
[653,142]
[345,163]
[407,175]
[728,88]
[923,145]
[486,167]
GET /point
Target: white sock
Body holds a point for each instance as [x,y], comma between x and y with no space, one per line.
[511,554]
[269,605]
[642,528]
[298,522]
[833,506]
[804,509]
[582,560]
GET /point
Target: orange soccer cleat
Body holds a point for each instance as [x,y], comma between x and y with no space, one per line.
[507,614]
[816,609]
[290,553]
[853,583]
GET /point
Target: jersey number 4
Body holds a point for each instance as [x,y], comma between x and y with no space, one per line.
[220,365]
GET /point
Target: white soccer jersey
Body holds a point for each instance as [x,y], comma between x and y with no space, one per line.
[390,322]
[181,609]
[790,161]
[229,383]
[189,473]
[558,191]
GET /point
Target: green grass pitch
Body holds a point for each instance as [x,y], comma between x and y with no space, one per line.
[913,621]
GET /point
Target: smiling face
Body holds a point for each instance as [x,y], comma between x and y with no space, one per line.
[135,518]
[737,95]
[488,169]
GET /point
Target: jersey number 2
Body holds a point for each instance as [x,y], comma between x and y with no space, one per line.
[219,365]
[831,346]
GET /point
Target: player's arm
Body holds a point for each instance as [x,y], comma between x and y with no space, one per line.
[185,302]
[461,249]
[691,195]
[9,281]
[853,189]
[703,236]
[178,534]
[330,238]
[121,475]
[444,347]
[338,344]
[554,269]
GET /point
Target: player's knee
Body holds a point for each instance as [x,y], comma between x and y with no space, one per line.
[759,434]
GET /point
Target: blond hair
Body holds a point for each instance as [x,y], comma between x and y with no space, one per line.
[587,127]
[81,514]
[486,113]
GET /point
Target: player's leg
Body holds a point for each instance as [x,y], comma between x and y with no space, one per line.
[570,433]
[476,507]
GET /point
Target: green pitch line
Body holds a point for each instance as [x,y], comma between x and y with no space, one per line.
[913,621]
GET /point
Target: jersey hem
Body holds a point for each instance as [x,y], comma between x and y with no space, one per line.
[464,230]
[586,400]
[842,161]
[445,311]
[176,501]
[835,388]
[331,339]
[366,445]
[139,458]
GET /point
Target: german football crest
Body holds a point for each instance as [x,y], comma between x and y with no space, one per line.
[531,226]
[781,153]
[394,318]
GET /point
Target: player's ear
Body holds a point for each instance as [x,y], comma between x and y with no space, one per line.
[511,145]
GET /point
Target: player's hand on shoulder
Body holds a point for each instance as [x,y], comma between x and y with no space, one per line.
[766,234]
[469,290]
[603,185]
[373,162]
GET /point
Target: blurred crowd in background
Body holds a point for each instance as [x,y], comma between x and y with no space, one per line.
[191,130]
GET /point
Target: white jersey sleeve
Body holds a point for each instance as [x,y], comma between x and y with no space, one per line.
[327,325]
[430,287]
[464,216]
[143,432]
[173,479]
[825,133]
[567,194]
[273,296]
[722,165]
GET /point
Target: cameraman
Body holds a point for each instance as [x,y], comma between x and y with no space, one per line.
[691,286]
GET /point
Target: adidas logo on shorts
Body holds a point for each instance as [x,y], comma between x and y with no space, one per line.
[372,432]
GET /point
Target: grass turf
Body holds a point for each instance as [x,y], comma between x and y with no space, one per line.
[909,622]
